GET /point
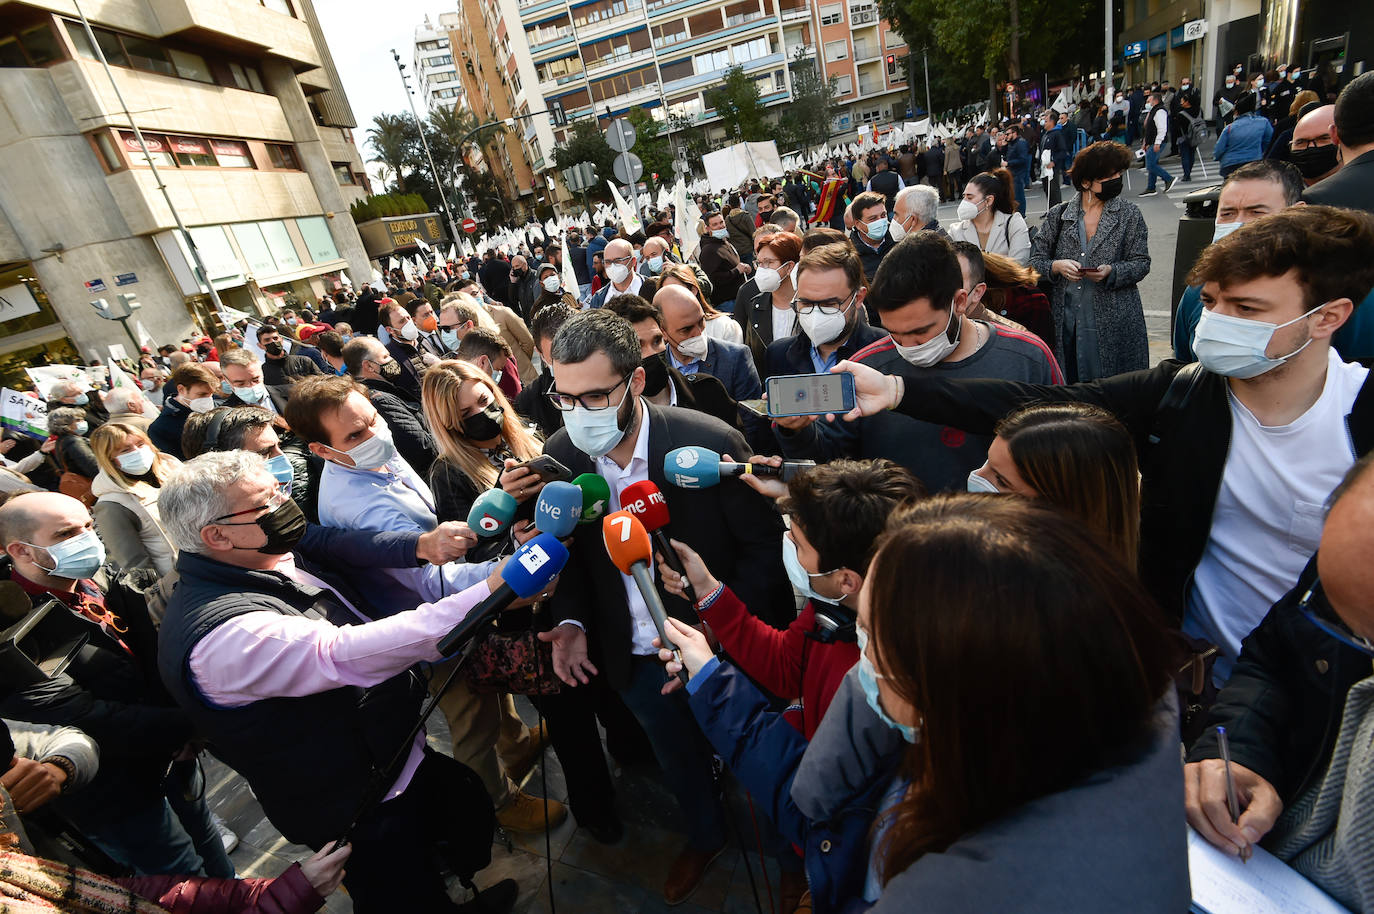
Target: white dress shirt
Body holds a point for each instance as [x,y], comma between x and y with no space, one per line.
[642,628]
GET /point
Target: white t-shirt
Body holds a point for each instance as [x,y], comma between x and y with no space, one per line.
[1269,512]
[784,322]
[724,328]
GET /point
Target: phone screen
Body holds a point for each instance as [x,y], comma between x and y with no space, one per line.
[810,394]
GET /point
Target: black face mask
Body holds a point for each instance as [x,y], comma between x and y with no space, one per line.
[486,425]
[390,371]
[284,528]
[655,374]
[1315,161]
[1111,189]
[274,349]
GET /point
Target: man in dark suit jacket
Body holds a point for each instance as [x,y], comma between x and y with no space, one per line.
[691,350]
[1352,186]
[613,432]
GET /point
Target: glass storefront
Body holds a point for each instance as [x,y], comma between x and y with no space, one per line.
[24,307]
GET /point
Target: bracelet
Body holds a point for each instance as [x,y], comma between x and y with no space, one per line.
[709,600]
[67,765]
[896,392]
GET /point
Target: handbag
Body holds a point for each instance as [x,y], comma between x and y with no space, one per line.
[73,484]
[516,662]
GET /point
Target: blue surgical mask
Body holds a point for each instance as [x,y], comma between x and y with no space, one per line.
[226,388]
[876,229]
[594,432]
[254,394]
[721,233]
[798,575]
[1237,347]
[281,470]
[656,264]
[976,483]
[75,558]
[450,339]
[80,400]
[82,427]
[868,680]
[1223,229]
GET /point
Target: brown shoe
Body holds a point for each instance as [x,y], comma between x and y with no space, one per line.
[791,889]
[687,872]
[524,813]
[519,765]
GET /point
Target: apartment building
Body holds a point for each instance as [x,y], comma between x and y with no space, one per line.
[243,113]
[435,70]
[865,57]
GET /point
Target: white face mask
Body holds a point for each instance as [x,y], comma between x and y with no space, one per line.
[136,462]
[897,230]
[618,273]
[551,284]
[694,347]
[968,210]
[933,350]
[1237,347]
[822,328]
[201,404]
[768,279]
[409,332]
[372,454]
[1223,229]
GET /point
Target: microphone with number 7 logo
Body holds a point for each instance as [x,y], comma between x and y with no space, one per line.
[527,572]
[647,503]
[627,543]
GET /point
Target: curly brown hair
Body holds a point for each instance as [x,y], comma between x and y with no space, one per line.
[1100,160]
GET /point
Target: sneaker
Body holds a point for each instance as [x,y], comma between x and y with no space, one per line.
[524,813]
[1150,192]
[1170,185]
[226,834]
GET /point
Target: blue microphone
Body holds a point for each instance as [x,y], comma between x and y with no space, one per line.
[558,509]
[525,574]
[700,468]
[492,512]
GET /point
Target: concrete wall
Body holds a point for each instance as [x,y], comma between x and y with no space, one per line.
[55,192]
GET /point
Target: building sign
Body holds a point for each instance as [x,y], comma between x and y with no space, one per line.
[1194,30]
[188,146]
[1159,44]
[17,301]
[95,285]
[155,143]
[1134,50]
[405,230]
[126,279]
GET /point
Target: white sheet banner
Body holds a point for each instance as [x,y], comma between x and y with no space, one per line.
[22,412]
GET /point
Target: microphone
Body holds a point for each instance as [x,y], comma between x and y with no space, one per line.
[627,543]
[596,496]
[492,512]
[645,501]
[700,468]
[558,509]
[529,571]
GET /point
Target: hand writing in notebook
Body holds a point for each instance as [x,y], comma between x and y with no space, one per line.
[1205,799]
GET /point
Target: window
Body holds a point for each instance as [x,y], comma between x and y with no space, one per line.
[844,84]
[191,66]
[148,55]
[246,77]
[442,77]
[439,60]
[281,6]
[752,50]
[279,241]
[678,69]
[40,44]
[515,81]
[432,45]
[318,241]
[873,114]
[192,152]
[282,156]
[712,61]
[108,153]
[342,174]
[254,248]
[158,149]
[832,14]
[231,154]
[668,32]
[836,50]
[893,39]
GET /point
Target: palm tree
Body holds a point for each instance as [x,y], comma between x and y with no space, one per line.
[390,138]
[459,126]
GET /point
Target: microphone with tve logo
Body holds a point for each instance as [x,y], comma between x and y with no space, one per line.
[492,512]
[558,509]
[596,496]
[700,468]
[627,543]
[645,501]
[528,571]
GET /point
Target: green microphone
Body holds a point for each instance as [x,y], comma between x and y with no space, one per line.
[596,496]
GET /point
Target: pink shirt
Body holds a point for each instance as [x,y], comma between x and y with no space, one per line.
[265,654]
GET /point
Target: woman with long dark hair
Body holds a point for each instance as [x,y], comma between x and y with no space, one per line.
[1008,743]
[988,217]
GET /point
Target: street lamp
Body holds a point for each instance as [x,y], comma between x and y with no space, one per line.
[419,125]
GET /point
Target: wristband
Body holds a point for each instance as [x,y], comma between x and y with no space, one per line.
[67,765]
[896,393]
[709,600]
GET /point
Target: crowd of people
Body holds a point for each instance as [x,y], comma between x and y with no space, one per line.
[1022,582]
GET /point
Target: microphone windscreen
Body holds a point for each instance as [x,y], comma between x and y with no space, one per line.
[534,565]
[596,496]
[645,501]
[558,509]
[692,467]
[627,541]
[492,512]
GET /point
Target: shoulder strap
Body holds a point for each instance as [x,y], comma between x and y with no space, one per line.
[1175,399]
[1360,422]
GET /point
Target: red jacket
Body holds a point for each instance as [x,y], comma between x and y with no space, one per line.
[787,663]
[289,893]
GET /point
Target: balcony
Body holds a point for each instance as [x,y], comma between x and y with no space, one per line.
[609,25]
[862,17]
[616,61]
[552,47]
[629,99]
[533,7]
[706,79]
[796,13]
[865,52]
[240,22]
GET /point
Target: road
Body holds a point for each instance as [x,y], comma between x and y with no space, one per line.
[1162,213]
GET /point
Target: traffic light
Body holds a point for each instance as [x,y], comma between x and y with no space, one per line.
[891,59]
[560,119]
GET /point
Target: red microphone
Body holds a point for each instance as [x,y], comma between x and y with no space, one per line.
[646,501]
[627,543]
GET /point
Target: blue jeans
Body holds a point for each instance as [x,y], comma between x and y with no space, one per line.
[1020,196]
[1153,170]
[681,749]
[1185,156]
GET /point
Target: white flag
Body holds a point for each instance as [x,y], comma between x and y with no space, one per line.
[420,243]
[629,220]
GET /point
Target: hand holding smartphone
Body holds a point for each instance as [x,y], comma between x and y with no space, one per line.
[810,394]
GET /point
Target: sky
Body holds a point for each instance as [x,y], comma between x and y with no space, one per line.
[361,37]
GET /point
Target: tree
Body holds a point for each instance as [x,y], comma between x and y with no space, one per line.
[450,132]
[738,104]
[587,144]
[653,150]
[392,138]
[807,121]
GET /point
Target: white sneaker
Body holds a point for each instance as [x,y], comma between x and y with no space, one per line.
[226,834]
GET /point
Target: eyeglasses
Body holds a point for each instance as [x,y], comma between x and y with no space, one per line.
[279,497]
[624,260]
[1333,628]
[592,401]
[827,306]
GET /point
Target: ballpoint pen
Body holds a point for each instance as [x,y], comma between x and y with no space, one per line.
[1232,804]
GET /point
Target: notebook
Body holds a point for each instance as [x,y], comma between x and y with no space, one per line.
[1265,885]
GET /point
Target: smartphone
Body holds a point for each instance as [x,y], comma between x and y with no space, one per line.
[810,394]
[548,469]
[758,407]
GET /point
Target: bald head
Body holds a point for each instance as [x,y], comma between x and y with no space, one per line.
[1343,558]
[654,247]
[1314,148]
[518,262]
[1318,124]
[617,249]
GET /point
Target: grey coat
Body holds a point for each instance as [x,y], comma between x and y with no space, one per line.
[1122,240]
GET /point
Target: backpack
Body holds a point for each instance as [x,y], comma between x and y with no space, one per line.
[1197,130]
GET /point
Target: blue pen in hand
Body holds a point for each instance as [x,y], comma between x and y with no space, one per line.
[1232,803]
